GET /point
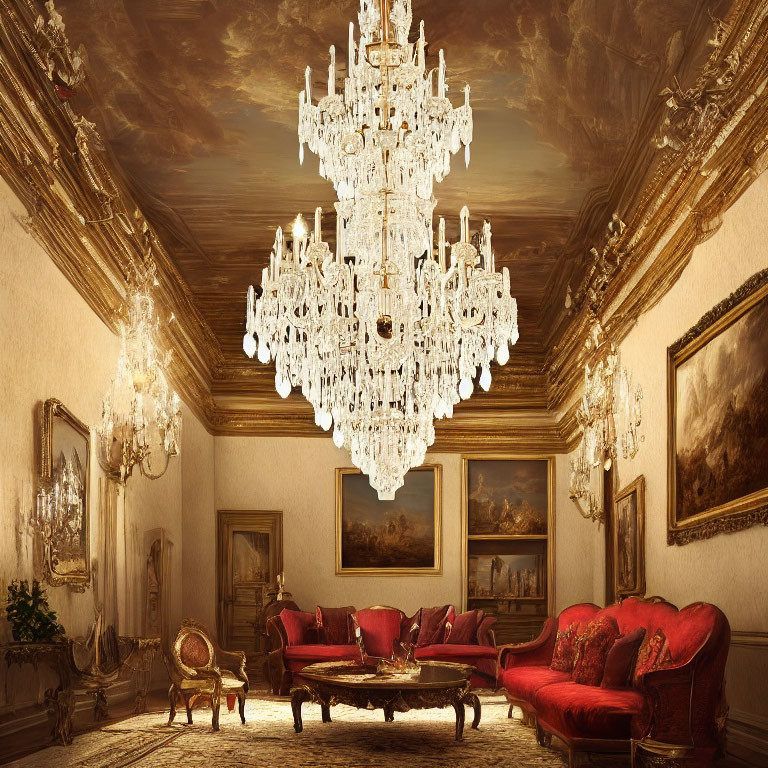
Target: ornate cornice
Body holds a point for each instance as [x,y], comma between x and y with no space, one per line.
[711,143]
[54,161]
[697,149]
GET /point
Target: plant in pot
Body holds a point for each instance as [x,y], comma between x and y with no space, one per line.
[28,613]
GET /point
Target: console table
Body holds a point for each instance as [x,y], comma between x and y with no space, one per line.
[136,654]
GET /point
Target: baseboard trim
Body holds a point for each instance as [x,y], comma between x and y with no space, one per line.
[748,731]
[29,715]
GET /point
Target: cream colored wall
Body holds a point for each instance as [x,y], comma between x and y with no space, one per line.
[727,570]
[296,476]
[199,523]
[723,570]
[55,346]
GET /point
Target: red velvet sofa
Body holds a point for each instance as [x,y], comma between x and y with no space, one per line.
[438,634]
[674,692]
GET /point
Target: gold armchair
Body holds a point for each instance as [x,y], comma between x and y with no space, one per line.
[198,666]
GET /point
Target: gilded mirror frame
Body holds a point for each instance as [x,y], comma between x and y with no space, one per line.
[80,577]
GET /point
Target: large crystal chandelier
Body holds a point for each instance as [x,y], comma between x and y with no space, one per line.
[141,414]
[387,333]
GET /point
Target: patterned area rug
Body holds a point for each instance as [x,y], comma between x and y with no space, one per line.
[355,739]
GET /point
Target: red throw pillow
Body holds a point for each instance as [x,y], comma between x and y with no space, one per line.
[565,650]
[621,659]
[484,631]
[653,654]
[380,628]
[334,625]
[296,624]
[592,650]
[464,629]
[432,625]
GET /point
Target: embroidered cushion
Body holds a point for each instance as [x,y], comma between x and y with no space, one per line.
[463,631]
[565,650]
[621,659]
[432,625]
[592,650]
[653,654]
[334,625]
[297,625]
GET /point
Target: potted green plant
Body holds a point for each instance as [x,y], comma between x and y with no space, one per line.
[28,613]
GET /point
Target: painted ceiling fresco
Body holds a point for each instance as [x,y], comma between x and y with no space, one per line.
[197,100]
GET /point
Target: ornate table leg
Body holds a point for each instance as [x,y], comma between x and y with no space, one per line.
[326,711]
[100,711]
[298,697]
[389,712]
[459,707]
[471,700]
[62,703]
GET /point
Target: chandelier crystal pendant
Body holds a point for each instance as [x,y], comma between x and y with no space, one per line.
[387,333]
[609,415]
[141,414]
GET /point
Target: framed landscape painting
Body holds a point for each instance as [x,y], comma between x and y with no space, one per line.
[628,534]
[507,497]
[718,419]
[398,537]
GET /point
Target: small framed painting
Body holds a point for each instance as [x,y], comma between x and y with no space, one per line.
[718,419]
[398,537]
[628,534]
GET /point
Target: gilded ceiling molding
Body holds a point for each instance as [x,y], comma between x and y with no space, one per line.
[54,161]
[712,143]
[703,144]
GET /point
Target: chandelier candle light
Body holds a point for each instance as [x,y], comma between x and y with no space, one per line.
[387,333]
[141,414]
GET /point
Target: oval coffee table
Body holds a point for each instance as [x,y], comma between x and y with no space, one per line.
[431,684]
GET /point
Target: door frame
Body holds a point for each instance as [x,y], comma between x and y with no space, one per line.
[252,521]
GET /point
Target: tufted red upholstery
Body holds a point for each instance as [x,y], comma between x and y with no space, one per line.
[588,711]
[678,681]
[522,682]
[382,629]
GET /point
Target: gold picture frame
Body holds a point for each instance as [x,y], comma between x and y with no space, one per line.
[723,336]
[628,540]
[61,432]
[547,538]
[354,545]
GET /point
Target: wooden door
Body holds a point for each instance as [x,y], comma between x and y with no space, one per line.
[250,557]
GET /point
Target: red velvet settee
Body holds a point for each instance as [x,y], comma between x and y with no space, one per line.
[674,692]
[438,634]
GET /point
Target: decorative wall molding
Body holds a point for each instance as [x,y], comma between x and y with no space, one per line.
[698,147]
[749,639]
[748,731]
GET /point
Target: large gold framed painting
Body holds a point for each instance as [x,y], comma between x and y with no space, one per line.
[398,537]
[718,419]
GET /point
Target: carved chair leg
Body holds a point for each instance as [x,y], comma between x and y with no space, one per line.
[510,710]
[172,702]
[188,705]
[241,706]
[216,705]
